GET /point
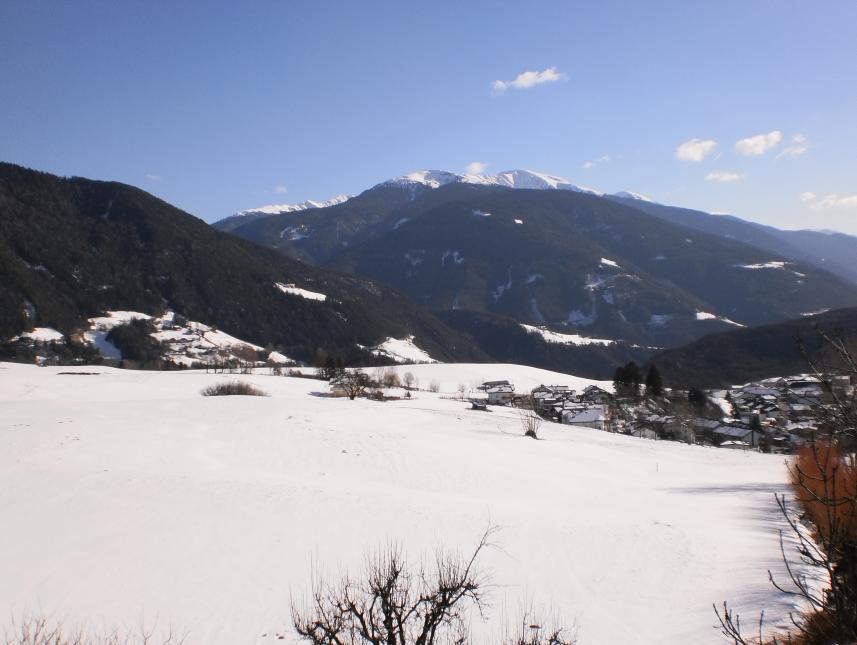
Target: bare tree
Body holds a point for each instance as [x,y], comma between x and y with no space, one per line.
[434,386]
[393,605]
[354,382]
[409,379]
[462,390]
[824,479]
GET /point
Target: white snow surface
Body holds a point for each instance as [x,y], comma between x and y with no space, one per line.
[609,263]
[565,339]
[277,209]
[136,499]
[402,351]
[303,293]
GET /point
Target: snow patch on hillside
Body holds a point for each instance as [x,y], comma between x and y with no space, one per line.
[293,290]
[402,351]
[704,315]
[456,257]
[609,263]
[41,335]
[565,339]
[772,264]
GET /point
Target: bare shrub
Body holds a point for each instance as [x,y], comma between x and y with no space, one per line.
[41,630]
[434,386]
[233,388]
[533,631]
[392,604]
[530,423]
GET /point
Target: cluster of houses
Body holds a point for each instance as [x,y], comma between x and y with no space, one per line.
[590,408]
[774,415]
[777,414]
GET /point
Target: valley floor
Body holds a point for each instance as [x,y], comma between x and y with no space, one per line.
[128,498]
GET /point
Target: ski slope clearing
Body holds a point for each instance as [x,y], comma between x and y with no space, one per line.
[134,498]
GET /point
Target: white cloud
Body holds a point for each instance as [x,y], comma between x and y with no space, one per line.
[595,162]
[281,190]
[798,146]
[807,196]
[695,149]
[758,144]
[835,201]
[529,79]
[152,177]
[723,176]
[475,167]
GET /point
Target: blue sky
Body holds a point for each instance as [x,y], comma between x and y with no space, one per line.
[218,107]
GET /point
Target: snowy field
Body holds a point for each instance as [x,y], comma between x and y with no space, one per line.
[128,498]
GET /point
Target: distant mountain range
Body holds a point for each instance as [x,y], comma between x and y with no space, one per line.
[548,252]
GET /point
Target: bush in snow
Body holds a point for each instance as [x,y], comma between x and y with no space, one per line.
[530,423]
[232,389]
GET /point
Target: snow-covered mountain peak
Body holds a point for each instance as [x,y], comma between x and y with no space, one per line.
[430,178]
[276,209]
[510,179]
[626,194]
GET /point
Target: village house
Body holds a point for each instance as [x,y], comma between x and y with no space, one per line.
[595,417]
[499,392]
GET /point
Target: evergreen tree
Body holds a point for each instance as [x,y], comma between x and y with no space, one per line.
[654,382]
[627,379]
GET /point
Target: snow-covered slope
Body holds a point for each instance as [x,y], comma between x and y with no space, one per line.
[403,350]
[185,342]
[509,179]
[277,209]
[136,500]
